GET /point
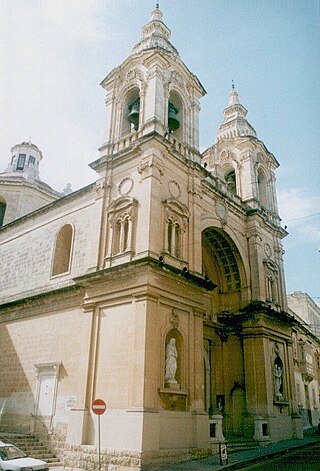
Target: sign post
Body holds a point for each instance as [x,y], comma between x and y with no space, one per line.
[223,454]
[98,408]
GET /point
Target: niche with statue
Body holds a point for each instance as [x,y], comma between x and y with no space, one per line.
[278,375]
[173,397]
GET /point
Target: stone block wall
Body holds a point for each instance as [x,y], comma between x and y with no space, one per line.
[29,248]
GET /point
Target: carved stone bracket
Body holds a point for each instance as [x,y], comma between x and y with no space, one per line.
[223,333]
[151,167]
[173,400]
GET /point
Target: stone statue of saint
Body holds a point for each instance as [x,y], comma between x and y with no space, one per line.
[171,362]
[277,381]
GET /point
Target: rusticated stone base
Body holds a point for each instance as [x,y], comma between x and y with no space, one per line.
[153,461]
[85,457]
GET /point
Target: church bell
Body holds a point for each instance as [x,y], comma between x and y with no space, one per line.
[133,115]
[173,122]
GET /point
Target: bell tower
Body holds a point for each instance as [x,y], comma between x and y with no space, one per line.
[243,162]
[152,91]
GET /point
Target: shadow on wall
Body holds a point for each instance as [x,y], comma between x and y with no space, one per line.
[16,396]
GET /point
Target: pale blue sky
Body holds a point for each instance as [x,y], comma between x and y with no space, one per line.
[54,53]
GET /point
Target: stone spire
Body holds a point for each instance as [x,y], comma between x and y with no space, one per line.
[234,122]
[155,35]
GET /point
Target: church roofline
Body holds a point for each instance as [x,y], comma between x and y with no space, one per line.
[24,302]
[47,207]
[16,179]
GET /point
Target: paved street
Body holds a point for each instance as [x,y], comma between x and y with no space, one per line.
[301,455]
[307,459]
[293,455]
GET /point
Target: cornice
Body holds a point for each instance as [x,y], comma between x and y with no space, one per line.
[97,276]
[39,303]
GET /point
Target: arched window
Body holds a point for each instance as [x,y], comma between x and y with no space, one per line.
[317,357]
[231,182]
[170,226]
[262,188]
[3,207]
[121,228]
[178,235]
[121,234]
[271,281]
[174,242]
[131,111]
[62,251]
[175,115]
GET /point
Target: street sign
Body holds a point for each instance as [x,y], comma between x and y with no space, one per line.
[99,406]
[223,454]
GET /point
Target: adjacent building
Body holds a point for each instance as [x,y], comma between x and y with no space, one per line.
[159,288]
[306,349]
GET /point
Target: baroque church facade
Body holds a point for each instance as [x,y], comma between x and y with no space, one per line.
[159,288]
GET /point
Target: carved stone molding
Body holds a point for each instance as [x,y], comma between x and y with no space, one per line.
[151,167]
[156,72]
[134,74]
[174,319]
[177,79]
[125,186]
[174,189]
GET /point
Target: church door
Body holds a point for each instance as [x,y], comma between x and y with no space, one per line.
[238,405]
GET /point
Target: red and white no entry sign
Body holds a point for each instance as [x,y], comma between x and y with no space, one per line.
[99,406]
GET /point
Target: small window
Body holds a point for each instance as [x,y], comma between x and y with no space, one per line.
[125,234]
[121,241]
[21,161]
[170,226]
[178,240]
[174,238]
[32,160]
[62,253]
[3,208]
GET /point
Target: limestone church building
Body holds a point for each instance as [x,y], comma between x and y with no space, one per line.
[159,288]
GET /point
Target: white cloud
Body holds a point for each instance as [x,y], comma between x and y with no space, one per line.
[300,212]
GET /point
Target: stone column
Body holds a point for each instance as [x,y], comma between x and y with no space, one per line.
[155,106]
[200,417]
[259,397]
[79,430]
[257,276]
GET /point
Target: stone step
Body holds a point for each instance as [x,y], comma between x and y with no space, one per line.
[32,446]
[241,445]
